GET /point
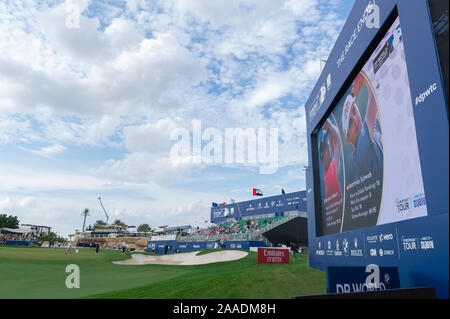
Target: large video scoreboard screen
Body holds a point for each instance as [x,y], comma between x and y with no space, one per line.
[369,167]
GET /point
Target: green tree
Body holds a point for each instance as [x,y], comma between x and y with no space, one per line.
[118,222]
[51,237]
[9,221]
[144,228]
[99,223]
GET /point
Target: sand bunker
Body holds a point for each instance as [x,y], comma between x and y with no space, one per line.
[184,258]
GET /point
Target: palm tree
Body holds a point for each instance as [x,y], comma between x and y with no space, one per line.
[85,213]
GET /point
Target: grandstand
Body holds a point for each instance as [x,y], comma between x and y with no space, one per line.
[244,229]
[271,221]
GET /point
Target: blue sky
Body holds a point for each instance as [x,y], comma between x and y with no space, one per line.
[88,103]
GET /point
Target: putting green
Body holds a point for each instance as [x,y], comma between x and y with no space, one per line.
[41,273]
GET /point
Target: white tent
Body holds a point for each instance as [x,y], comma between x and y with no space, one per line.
[202,224]
[17,231]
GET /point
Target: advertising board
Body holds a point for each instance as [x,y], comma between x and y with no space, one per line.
[362,279]
[377,128]
[368,174]
[274,205]
[272,256]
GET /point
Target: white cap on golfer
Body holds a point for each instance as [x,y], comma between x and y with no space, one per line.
[350,99]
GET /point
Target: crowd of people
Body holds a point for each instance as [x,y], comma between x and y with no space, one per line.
[15,237]
[232,229]
[239,227]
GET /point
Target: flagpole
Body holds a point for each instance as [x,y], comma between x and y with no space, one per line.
[239,210]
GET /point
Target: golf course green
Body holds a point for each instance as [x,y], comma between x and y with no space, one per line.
[41,273]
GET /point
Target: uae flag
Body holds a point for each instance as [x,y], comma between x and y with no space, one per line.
[257,192]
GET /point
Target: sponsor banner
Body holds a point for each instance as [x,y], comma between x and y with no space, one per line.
[237,245]
[362,279]
[424,242]
[273,256]
[266,205]
[159,247]
[354,246]
[20,243]
[227,211]
[382,244]
[348,246]
[163,238]
[279,203]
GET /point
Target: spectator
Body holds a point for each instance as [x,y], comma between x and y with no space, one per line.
[69,248]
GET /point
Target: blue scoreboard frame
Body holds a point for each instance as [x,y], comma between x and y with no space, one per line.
[427,264]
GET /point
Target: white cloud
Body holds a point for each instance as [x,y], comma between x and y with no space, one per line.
[148,158]
[217,13]
[151,137]
[82,41]
[49,151]
[12,128]
[128,76]
[189,213]
[116,70]
[143,168]
[28,201]
[100,131]
[305,10]
[26,180]
[6,203]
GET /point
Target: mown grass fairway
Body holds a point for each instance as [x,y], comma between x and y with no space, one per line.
[40,273]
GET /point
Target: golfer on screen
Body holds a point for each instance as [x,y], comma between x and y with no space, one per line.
[331,162]
[363,135]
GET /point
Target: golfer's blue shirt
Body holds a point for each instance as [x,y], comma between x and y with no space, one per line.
[368,153]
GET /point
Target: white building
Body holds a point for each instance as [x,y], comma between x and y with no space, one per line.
[36,230]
